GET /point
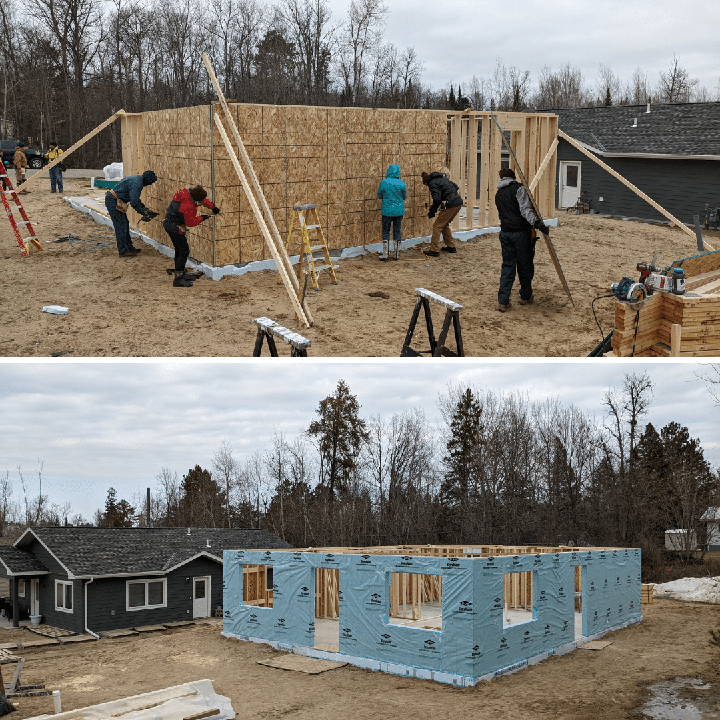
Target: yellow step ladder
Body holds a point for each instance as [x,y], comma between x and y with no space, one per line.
[304,220]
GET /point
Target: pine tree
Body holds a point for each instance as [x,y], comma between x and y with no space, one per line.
[117,513]
[339,433]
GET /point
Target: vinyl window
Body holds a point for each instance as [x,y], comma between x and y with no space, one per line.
[146,594]
[63,596]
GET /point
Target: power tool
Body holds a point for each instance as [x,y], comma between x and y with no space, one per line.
[651,280]
[628,290]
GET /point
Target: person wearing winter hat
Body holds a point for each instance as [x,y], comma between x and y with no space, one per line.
[181,215]
[127,192]
[393,193]
[446,199]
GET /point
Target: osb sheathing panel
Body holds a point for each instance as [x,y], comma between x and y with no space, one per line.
[334,158]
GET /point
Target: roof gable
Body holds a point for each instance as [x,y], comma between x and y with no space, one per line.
[690,129]
[89,551]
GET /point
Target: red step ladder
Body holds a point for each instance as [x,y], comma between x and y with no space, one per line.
[6,189]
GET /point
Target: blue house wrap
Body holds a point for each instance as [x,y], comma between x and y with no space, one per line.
[473,644]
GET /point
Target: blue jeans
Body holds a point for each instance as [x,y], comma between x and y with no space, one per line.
[120,223]
[396,222]
[56,180]
[518,252]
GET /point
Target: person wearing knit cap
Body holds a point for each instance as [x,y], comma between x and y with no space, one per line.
[181,215]
[127,193]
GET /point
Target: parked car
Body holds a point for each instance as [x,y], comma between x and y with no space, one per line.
[35,158]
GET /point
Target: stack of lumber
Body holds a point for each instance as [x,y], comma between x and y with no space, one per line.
[647,593]
[669,325]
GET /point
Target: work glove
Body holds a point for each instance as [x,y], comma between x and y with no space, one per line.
[542,227]
[206,217]
[216,210]
[431,215]
[148,216]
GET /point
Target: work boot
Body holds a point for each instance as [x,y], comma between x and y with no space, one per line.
[385,255]
[448,249]
[191,277]
[503,308]
[180,281]
[526,301]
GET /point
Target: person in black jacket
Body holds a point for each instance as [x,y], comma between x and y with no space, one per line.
[445,197]
[517,221]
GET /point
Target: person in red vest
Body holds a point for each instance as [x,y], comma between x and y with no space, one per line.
[181,215]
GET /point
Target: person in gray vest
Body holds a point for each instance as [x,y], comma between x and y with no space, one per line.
[517,220]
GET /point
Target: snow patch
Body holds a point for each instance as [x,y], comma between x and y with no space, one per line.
[705,590]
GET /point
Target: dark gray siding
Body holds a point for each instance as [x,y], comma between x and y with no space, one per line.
[106,595]
[50,616]
[682,187]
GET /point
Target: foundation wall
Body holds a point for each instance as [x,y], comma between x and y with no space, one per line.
[334,158]
[473,642]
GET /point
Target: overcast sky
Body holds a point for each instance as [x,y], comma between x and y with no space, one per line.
[102,424]
[457,39]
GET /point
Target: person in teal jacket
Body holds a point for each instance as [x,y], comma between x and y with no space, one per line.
[393,193]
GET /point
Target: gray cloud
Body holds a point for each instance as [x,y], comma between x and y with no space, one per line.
[97,425]
[457,39]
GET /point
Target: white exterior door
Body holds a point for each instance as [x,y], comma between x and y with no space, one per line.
[569,183]
[35,597]
[201,597]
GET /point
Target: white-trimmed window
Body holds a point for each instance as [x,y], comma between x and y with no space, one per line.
[63,596]
[146,594]
[21,588]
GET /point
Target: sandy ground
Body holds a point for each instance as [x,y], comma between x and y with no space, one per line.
[673,640]
[120,307]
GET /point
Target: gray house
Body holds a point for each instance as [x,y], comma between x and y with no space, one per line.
[712,517]
[670,152]
[88,579]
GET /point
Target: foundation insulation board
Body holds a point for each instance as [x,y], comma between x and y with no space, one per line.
[472,642]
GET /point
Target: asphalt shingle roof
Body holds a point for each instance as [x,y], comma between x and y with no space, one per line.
[20,561]
[686,129]
[86,551]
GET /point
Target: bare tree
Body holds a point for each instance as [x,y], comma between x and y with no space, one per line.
[562,89]
[676,84]
[226,471]
[360,35]
[609,87]
[638,91]
[308,25]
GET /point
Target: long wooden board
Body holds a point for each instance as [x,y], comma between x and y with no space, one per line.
[259,198]
[632,187]
[73,148]
[261,223]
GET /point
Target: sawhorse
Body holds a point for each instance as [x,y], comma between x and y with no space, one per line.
[269,329]
[437,348]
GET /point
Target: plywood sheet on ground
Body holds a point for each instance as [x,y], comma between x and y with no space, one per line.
[300,663]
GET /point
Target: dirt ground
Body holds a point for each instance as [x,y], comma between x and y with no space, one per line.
[673,640]
[120,307]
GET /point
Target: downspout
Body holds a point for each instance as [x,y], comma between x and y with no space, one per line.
[87,629]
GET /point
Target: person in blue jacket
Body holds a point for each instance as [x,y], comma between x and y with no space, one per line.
[127,192]
[393,193]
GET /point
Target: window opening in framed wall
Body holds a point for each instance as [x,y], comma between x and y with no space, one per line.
[416,600]
[258,585]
